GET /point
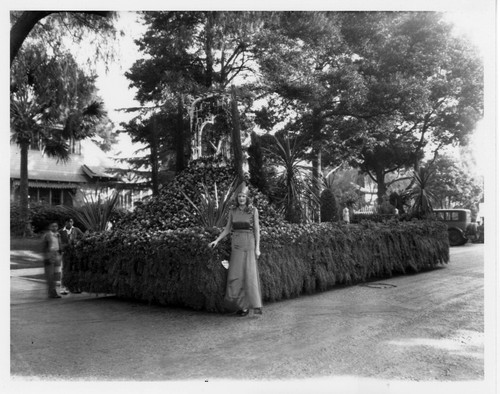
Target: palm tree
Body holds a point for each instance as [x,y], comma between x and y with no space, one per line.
[421,194]
[287,152]
[53,142]
[45,94]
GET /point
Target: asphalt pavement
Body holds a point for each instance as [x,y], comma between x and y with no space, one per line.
[426,327]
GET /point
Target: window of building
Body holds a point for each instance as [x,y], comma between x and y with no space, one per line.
[68,197]
[75,146]
[44,195]
[56,197]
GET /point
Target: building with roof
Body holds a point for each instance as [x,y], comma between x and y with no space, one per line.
[88,171]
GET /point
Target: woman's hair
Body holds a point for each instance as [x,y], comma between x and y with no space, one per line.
[248,202]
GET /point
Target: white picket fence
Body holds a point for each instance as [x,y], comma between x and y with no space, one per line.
[365,211]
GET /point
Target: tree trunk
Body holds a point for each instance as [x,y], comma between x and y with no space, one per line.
[256,165]
[154,158]
[316,174]
[22,28]
[179,140]
[209,43]
[23,190]
[236,137]
[381,186]
[317,125]
[293,208]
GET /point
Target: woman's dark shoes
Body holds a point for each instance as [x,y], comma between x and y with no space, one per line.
[257,311]
[242,312]
[55,296]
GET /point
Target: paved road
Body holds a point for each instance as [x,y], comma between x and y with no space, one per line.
[424,327]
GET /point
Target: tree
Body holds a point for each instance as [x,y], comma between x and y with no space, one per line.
[329,207]
[380,153]
[193,52]
[303,59]
[47,92]
[256,164]
[104,136]
[32,112]
[343,182]
[23,23]
[421,193]
[196,56]
[425,84]
[286,152]
[454,185]
[157,132]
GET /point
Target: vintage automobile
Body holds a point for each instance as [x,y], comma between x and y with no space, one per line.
[460,227]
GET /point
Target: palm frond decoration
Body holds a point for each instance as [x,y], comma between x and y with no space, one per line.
[95,213]
[212,209]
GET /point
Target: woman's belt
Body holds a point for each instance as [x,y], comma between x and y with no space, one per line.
[241,226]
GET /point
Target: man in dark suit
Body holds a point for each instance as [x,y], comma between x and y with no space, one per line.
[69,236]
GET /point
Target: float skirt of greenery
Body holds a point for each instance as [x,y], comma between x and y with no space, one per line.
[176,267]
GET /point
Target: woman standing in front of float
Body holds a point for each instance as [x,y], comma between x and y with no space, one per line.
[243,285]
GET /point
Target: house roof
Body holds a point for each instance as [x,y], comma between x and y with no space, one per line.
[91,163]
[49,185]
[97,172]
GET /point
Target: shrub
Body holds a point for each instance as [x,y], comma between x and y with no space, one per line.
[386,208]
[42,214]
[397,200]
[329,207]
[16,224]
[117,214]
[178,268]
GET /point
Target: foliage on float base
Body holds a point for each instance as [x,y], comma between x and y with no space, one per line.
[169,211]
[176,267]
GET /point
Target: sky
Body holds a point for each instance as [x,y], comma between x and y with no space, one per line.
[114,86]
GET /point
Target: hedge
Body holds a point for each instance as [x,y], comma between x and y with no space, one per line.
[176,267]
[40,216]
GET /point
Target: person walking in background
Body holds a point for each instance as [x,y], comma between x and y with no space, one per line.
[69,236]
[345,215]
[52,258]
[243,284]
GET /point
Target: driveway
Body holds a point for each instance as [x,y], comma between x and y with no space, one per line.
[423,327]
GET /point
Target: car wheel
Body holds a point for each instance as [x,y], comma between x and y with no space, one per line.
[455,237]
